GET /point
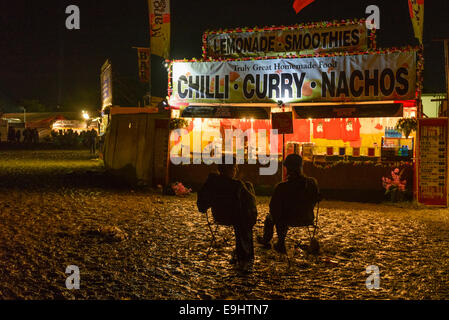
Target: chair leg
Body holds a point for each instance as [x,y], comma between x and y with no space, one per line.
[309,250]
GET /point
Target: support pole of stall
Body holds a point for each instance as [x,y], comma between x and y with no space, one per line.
[416,151]
[167,158]
[283,150]
[149,79]
[151,17]
[446,68]
[283,157]
[446,72]
[282,121]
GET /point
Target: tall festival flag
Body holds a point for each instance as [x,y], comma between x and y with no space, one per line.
[143,58]
[416,9]
[159,27]
[298,5]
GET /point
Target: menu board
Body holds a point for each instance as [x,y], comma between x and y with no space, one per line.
[432,161]
[282,122]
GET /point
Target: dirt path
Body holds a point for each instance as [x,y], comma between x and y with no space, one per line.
[160,247]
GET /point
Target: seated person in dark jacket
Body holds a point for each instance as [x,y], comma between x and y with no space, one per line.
[292,203]
[233,204]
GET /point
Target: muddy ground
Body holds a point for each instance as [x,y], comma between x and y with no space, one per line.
[58,208]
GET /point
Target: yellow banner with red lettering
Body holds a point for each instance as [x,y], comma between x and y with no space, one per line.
[160,27]
[315,38]
[416,9]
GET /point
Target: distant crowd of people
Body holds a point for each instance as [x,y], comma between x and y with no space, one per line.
[29,135]
[66,138]
[87,138]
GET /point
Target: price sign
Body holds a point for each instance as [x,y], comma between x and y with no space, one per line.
[433,161]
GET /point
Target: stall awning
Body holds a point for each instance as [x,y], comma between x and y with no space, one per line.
[132,110]
[349,111]
[366,109]
[226,112]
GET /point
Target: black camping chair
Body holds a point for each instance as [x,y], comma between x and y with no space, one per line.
[214,233]
[312,230]
[313,243]
[223,219]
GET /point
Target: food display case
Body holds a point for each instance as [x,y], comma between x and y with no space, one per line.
[396,148]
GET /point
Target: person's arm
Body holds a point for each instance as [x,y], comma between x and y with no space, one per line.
[249,203]
[204,199]
[249,187]
[276,202]
[315,190]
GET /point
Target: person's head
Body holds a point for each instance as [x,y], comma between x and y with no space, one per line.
[228,170]
[293,163]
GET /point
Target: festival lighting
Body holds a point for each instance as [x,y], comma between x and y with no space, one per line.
[85,115]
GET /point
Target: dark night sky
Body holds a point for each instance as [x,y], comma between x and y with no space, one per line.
[41,59]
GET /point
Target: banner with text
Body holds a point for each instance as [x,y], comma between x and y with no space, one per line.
[160,27]
[143,57]
[106,84]
[384,76]
[416,10]
[287,41]
[432,161]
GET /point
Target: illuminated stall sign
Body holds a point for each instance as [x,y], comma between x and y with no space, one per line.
[432,161]
[383,76]
[293,40]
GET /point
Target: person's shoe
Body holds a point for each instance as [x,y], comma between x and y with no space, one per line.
[265,245]
[280,248]
[245,267]
[233,259]
[314,246]
[303,247]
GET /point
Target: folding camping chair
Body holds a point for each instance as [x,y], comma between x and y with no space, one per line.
[214,243]
[220,219]
[312,230]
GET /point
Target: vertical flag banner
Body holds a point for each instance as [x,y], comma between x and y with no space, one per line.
[143,58]
[106,84]
[160,27]
[416,9]
[298,5]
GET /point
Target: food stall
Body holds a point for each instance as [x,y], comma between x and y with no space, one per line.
[345,102]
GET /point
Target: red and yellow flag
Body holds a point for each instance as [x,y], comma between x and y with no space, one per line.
[159,27]
[298,5]
[416,9]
